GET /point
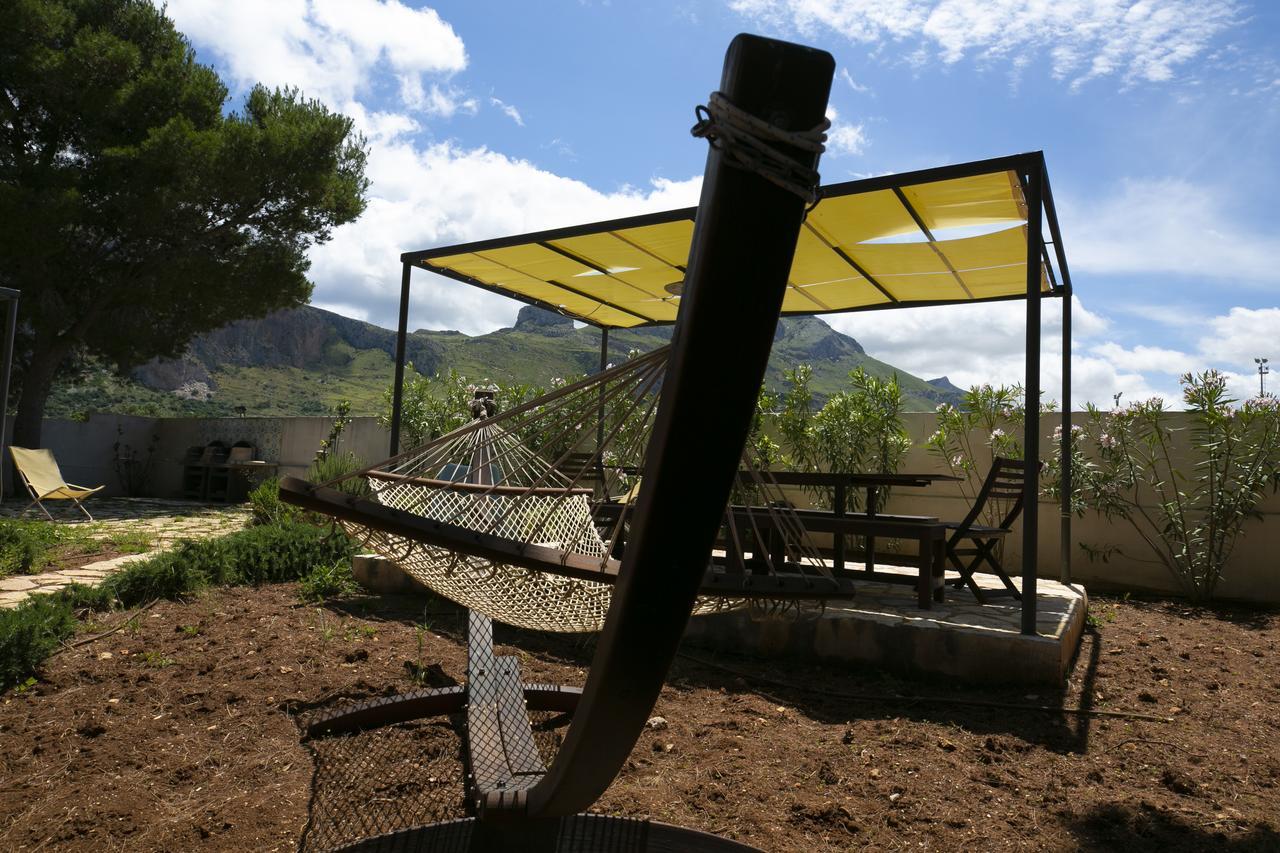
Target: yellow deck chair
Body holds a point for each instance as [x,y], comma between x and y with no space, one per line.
[39,471]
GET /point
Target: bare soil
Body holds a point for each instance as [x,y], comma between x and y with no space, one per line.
[179,732]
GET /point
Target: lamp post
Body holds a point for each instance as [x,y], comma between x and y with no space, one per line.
[1263,370]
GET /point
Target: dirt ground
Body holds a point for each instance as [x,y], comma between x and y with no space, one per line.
[178,732]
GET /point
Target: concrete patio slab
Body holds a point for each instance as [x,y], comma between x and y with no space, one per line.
[882,627]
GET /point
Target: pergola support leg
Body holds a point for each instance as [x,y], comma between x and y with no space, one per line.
[1031,439]
[397,386]
[1064,547]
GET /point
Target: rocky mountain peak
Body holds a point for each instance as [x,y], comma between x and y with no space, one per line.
[539,320]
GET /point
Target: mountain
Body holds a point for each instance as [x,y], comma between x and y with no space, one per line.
[946,386]
[302,361]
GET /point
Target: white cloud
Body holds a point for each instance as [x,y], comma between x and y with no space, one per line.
[1136,40]
[423,197]
[860,88]
[1235,339]
[1168,227]
[1243,334]
[511,112]
[331,49]
[931,342]
[340,50]
[844,138]
[1146,359]
[940,341]
[440,101]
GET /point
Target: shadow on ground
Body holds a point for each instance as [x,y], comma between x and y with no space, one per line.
[846,693]
[1144,829]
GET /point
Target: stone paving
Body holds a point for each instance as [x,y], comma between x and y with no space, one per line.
[163,522]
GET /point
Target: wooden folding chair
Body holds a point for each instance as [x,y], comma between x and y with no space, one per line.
[44,481]
[1004,484]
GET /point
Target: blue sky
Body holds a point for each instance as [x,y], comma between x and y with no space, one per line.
[1159,119]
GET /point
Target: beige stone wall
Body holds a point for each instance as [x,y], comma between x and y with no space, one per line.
[85,454]
[1253,572]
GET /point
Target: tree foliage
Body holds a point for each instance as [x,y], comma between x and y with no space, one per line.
[858,430]
[138,213]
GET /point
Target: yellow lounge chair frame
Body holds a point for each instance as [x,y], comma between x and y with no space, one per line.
[44,480]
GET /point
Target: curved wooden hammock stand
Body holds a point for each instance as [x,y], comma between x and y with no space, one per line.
[745,235]
[541,558]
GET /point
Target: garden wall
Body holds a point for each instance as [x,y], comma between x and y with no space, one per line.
[85,452]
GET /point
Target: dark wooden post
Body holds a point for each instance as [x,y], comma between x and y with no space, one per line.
[397,389]
[742,250]
[11,330]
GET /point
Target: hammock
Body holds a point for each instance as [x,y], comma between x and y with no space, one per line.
[523,515]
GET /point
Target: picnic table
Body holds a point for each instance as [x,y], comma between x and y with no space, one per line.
[927,531]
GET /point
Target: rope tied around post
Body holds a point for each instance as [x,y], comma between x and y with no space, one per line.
[751,144]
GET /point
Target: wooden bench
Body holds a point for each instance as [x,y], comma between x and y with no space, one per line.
[929,534]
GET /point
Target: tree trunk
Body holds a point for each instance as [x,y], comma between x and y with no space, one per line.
[37,382]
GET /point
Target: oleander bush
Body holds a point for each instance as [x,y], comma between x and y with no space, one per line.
[1186,487]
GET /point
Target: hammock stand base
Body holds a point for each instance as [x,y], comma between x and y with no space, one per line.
[502,762]
[581,833]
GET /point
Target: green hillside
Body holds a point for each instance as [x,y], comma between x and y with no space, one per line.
[304,361]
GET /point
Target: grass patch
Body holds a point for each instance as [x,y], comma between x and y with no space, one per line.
[329,581]
[130,541]
[155,660]
[29,547]
[26,547]
[33,630]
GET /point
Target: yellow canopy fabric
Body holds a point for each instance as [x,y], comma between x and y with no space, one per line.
[868,244]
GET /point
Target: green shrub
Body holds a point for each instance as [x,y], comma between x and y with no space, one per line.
[34,629]
[164,576]
[335,464]
[31,632]
[81,597]
[328,581]
[267,508]
[271,553]
[25,546]
[1188,488]
[279,553]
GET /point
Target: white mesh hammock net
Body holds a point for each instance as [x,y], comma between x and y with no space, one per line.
[561,510]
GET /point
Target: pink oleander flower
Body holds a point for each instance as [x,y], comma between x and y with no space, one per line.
[996,434]
[1107,441]
[957,461]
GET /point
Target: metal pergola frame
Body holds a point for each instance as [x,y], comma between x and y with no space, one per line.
[1032,173]
[10,297]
